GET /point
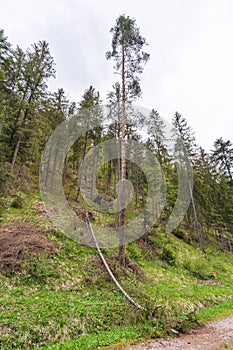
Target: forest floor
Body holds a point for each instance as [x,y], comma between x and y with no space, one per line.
[216,335]
[55,294]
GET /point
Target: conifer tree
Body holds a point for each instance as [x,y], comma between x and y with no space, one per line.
[185,147]
[223,156]
[38,68]
[127,45]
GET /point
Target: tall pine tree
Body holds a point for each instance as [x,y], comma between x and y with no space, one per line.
[127,45]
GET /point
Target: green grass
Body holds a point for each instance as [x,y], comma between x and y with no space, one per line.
[218,311]
[66,301]
[94,340]
[228,346]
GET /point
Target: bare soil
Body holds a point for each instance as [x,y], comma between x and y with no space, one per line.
[21,241]
[215,335]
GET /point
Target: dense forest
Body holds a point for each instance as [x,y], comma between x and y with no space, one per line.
[159,208]
[29,113]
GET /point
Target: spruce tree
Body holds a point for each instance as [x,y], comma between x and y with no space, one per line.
[223,156]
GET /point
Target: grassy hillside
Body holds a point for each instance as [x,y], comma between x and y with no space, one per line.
[56,294]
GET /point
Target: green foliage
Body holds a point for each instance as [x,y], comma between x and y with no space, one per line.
[38,270]
[67,298]
[29,113]
[127,45]
[17,202]
[61,309]
[223,156]
[179,234]
[168,256]
[96,340]
[3,179]
[199,268]
[135,252]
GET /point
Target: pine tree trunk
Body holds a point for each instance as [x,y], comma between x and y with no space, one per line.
[93,185]
[83,156]
[122,213]
[117,218]
[196,221]
[54,170]
[109,174]
[16,150]
[48,166]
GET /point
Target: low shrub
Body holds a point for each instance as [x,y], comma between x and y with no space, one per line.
[17,202]
[168,256]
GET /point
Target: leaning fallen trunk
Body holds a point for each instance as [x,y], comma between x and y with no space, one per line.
[131,300]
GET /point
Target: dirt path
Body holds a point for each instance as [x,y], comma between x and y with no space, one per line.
[209,337]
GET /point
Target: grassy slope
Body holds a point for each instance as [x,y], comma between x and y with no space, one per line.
[67,302]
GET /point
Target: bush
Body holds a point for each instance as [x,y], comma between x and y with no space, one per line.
[198,268]
[179,234]
[17,202]
[168,256]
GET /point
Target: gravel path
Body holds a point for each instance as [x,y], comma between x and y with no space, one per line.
[209,337]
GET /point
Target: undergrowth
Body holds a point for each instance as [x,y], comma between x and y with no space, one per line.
[67,300]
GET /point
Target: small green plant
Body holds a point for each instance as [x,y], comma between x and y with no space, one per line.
[199,268]
[179,234]
[66,300]
[38,270]
[17,202]
[168,256]
[135,251]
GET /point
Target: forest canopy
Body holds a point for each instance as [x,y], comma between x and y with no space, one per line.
[29,113]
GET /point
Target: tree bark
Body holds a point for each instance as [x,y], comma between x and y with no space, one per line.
[122,213]
[83,156]
[16,149]
[196,221]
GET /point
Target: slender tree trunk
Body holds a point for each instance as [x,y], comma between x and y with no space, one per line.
[109,174]
[15,126]
[122,213]
[16,150]
[64,170]
[54,170]
[196,221]
[117,219]
[143,192]
[114,178]
[93,185]
[228,166]
[83,156]
[48,165]
[18,116]
[136,189]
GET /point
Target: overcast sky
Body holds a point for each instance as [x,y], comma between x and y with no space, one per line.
[190,43]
